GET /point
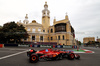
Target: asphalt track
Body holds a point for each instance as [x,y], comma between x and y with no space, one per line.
[16,56]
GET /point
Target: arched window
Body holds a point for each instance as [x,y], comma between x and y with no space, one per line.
[25,38]
[58,37]
[41,38]
[33,37]
[51,30]
[48,38]
[48,31]
[51,38]
[63,37]
[43,30]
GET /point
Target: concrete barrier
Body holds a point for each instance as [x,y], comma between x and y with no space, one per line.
[12,45]
[31,45]
[23,45]
[36,45]
[48,46]
[67,46]
[75,47]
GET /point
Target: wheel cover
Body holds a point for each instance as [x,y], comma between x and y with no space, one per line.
[72,55]
[33,58]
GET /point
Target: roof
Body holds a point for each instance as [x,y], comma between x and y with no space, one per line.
[33,23]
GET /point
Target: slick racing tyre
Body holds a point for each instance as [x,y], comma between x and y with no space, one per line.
[59,57]
[33,59]
[71,56]
[77,56]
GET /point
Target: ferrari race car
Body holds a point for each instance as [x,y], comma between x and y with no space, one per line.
[49,54]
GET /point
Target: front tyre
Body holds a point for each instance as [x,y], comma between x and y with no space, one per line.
[77,56]
[71,56]
[33,59]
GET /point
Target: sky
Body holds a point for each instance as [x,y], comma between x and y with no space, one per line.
[84,15]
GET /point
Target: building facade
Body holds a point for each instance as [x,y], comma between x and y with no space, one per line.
[61,32]
[87,39]
[98,40]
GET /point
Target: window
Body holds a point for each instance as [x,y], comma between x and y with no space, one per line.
[48,31]
[63,37]
[39,30]
[51,30]
[60,27]
[33,37]
[58,37]
[48,38]
[25,38]
[28,29]
[51,38]
[43,30]
[41,38]
[33,30]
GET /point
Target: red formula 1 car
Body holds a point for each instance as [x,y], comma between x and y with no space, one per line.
[49,54]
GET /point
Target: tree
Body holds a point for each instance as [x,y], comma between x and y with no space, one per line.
[1,35]
[12,31]
[79,42]
[0,26]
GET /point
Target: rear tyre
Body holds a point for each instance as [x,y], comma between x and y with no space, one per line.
[33,59]
[71,56]
[59,57]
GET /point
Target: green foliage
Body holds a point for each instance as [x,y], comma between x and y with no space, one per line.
[13,31]
[91,42]
[79,42]
[0,27]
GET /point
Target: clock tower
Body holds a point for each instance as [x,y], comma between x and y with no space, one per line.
[45,18]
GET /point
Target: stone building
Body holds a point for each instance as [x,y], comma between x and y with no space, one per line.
[98,40]
[61,32]
[87,39]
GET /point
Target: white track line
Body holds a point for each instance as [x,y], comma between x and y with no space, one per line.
[12,55]
[79,52]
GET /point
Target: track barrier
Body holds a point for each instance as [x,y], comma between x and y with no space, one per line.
[23,45]
[12,45]
[48,46]
[1,45]
[36,45]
